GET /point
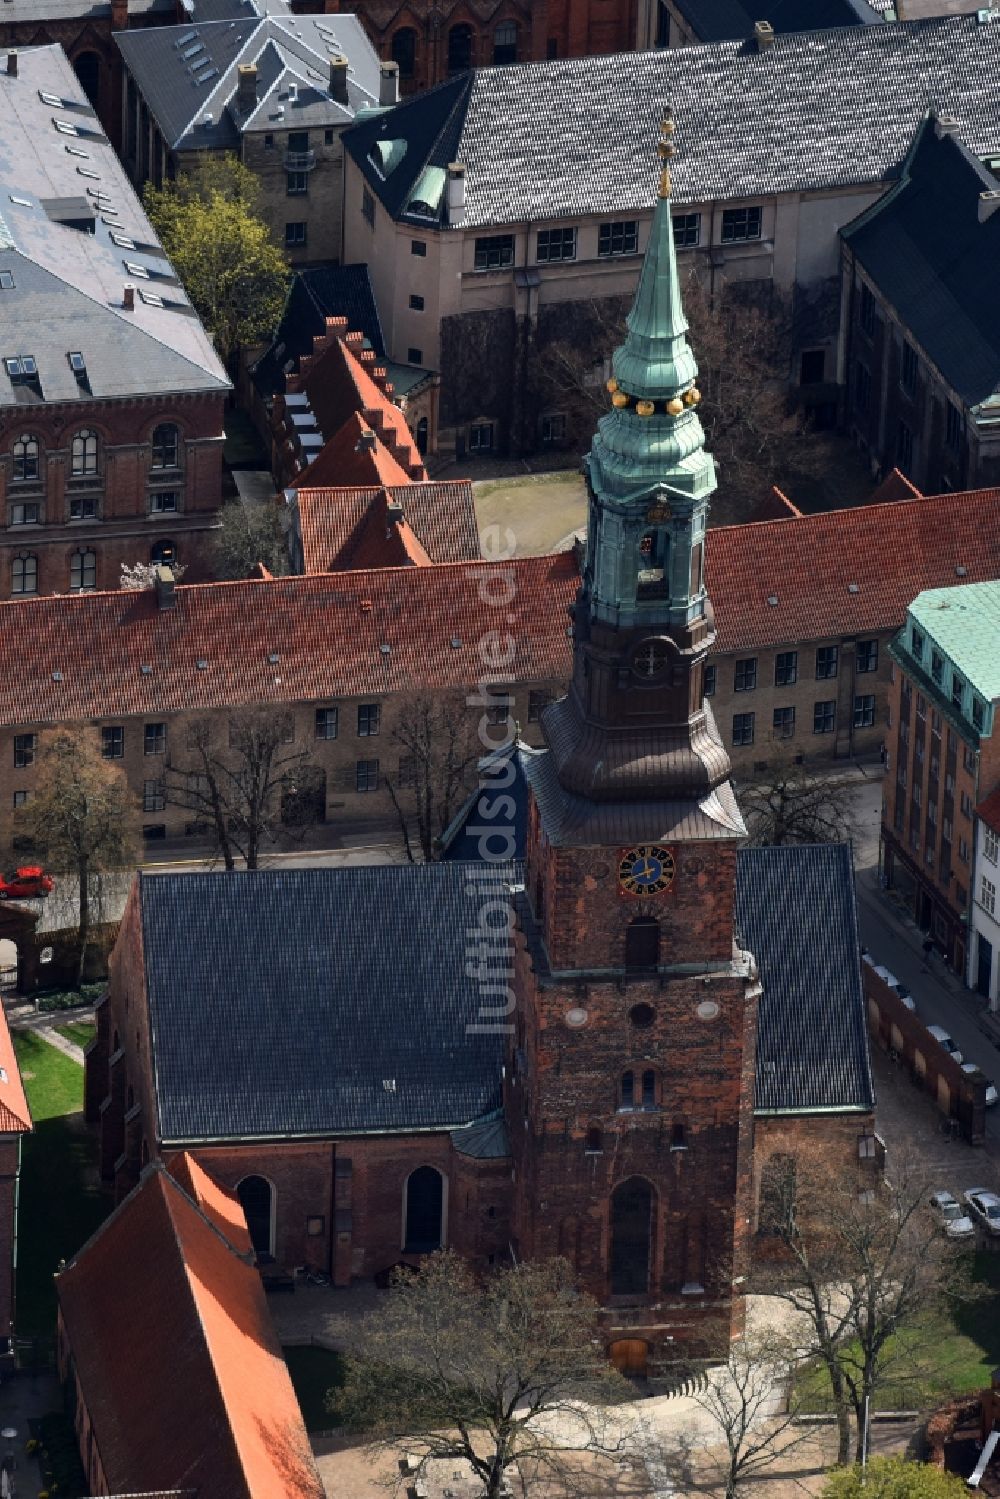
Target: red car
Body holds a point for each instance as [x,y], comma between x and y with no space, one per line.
[26,883]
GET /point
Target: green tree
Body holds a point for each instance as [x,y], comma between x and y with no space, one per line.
[234,273]
[248,535]
[893,1478]
[81,817]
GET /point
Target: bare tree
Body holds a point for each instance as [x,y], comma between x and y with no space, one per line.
[793,806]
[435,734]
[81,817]
[248,788]
[498,1372]
[248,535]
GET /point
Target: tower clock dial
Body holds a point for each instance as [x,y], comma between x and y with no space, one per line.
[646,870]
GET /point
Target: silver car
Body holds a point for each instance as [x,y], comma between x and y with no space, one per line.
[948,1210]
[985,1207]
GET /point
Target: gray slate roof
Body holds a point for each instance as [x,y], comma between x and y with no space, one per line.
[815,110]
[316,293]
[924,247]
[69,283]
[796,912]
[725,20]
[188,75]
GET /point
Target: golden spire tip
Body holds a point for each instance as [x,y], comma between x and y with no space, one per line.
[665,150]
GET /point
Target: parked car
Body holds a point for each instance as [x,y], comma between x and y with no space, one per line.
[892,982]
[26,883]
[948,1210]
[991,1087]
[942,1038]
[984,1206]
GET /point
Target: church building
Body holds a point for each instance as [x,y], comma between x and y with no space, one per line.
[587,1043]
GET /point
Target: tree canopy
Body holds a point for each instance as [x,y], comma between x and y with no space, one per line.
[893,1478]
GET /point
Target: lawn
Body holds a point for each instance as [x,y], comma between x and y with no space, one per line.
[60,1202]
[80,1032]
[540,509]
[314,1372]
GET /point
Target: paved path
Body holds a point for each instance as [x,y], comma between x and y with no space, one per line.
[21,1016]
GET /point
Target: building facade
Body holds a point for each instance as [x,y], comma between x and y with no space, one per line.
[984,916]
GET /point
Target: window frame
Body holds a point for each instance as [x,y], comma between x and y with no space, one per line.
[559,245]
[493,252]
[786,668]
[742,723]
[113,741]
[164,448]
[326,714]
[617,237]
[83,570]
[737,227]
[85,452]
[682,225]
[831,655]
[366,776]
[154,739]
[20,563]
[28,442]
[825,716]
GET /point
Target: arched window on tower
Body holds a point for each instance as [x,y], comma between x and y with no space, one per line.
[649,1089]
[627,1093]
[642,945]
[404,50]
[651,581]
[424,1221]
[459,49]
[631,1237]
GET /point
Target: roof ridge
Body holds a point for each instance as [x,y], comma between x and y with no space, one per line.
[847,511]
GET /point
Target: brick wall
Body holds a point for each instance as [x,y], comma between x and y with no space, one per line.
[10,1166]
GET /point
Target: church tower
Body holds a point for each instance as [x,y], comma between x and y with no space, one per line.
[629,1085]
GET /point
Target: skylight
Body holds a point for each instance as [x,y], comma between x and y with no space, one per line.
[86,172]
[134,269]
[52,99]
[21,366]
[193,51]
[150,298]
[6,280]
[24,202]
[78,151]
[77,363]
[122,241]
[188,36]
[64,127]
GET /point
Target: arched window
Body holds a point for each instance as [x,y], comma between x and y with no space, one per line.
[88,69]
[256,1197]
[84,454]
[642,944]
[404,50]
[25,458]
[83,570]
[424,1211]
[505,43]
[631,1237]
[678,1136]
[422,432]
[649,1089]
[459,49]
[776,1209]
[627,1100]
[595,1142]
[166,445]
[24,575]
[163,553]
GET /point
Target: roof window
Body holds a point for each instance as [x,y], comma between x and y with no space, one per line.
[52,99]
[188,36]
[24,202]
[150,298]
[122,241]
[77,363]
[6,280]
[21,367]
[134,269]
[86,172]
[78,151]
[65,127]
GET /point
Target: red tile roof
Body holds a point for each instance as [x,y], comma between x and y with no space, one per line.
[895,486]
[341,527]
[847,571]
[15,1116]
[285,640]
[988,811]
[354,456]
[177,1358]
[218,1205]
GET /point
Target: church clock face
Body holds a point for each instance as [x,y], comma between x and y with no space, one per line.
[648,869]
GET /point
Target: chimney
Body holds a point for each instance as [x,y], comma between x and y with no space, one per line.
[11,64]
[989,202]
[166,596]
[945,125]
[246,87]
[338,79]
[388,84]
[119,15]
[393,516]
[763,35]
[456,192]
[128,299]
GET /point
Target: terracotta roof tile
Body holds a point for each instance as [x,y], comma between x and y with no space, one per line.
[177,1357]
[988,811]
[220,1206]
[355,456]
[846,571]
[335,523]
[286,640]
[895,486]
[15,1116]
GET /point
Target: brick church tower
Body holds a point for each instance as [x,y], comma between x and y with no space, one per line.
[629,1086]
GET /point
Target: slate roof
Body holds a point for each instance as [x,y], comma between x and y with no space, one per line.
[964,622]
[796,912]
[725,20]
[282,640]
[188,74]
[69,283]
[373,1030]
[890,552]
[178,1361]
[931,258]
[338,526]
[316,293]
[814,111]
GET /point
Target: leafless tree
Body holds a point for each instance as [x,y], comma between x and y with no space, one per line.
[795,806]
[248,535]
[435,734]
[247,788]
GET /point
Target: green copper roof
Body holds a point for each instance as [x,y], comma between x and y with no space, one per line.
[964,624]
[655,361]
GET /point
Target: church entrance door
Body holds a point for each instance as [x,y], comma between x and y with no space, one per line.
[424,1203]
[630,1356]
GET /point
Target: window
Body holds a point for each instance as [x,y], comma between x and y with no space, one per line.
[908,368]
[403,49]
[826,662]
[154,797]
[904,447]
[678,1140]
[418,247]
[25,514]
[784,723]
[537,700]
[916,643]
[937,667]
[495,252]
[746,675]
[618,239]
[82,507]
[24,573]
[642,945]
[84,454]
[594,1144]
[295,234]
[6,280]
[742,728]
[553,427]
[740,224]
[968,759]
[957,690]
[963,850]
[952,427]
[481,437]
[991,845]
[166,446]
[25,746]
[505,43]
[966,805]
[824,717]
[556,244]
[862,386]
[369,715]
[368,208]
[864,711]
[83,570]
[867,313]
[978,714]
[113,742]
[416,302]
[154,739]
[20,798]
[414,356]
[988,895]
[627,1100]
[296,183]
[497,714]
[866,656]
[366,775]
[649,1089]
[960,895]
[812,367]
[163,502]
[687,230]
[25,458]
[786,668]
[326,723]
[710,680]
[459,49]
[163,553]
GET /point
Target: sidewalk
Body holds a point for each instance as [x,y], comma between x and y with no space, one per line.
[21,1016]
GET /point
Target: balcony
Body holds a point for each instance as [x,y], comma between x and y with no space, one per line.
[300,161]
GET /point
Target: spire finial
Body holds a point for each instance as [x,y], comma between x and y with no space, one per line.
[665,149]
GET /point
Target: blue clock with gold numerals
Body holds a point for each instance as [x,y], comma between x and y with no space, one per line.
[648,869]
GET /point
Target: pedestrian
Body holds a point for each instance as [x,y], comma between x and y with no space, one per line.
[882,752]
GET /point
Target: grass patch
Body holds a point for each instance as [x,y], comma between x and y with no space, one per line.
[61,1204]
[314,1372]
[80,1032]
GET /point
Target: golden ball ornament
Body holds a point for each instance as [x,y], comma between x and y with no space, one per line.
[675,407]
[644,408]
[619,399]
[693,396]
[612,385]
